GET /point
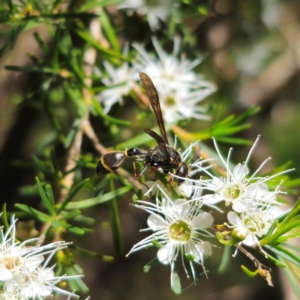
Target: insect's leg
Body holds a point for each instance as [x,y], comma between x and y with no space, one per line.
[143,170]
[139,175]
[136,171]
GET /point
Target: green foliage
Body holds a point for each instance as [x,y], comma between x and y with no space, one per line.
[284,229]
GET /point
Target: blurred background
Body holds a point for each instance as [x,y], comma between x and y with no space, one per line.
[251,52]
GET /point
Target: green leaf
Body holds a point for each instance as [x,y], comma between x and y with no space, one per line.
[75,64]
[226,258]
[89,5]
[280,251]
[71,195]
[109,30]
[41,42]
[275,261]
[55,163]
[150,264]
[293,279]
[189,257]
[56,225]
[77,284]
[203,10]
[73,132]
[99,111]
[289,222]
[71,215]
[48,105]
[233,141]
[115,223]
[50,196]
[88,221]
[42,70]
[272,228]
[175,283]
[229,126]
[85,35]
[46,201]
[13,35]
[295,248]
[71,228]
[98,200]
[39,164]
[248,272]
[295,210]
[11,6]
[4,217]
[293,224]
[92,254]
[37,214]
[138,140]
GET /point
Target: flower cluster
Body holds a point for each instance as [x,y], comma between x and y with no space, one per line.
[178,227]
[155,10]
[23,269]
[119,83]
[179,88]
[254,206]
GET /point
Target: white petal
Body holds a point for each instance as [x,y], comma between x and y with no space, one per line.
[166,253]
[275,212]
[34,289]
[250,240]
[5,274]
[182,207]
[233,218]
[32,262]
[47,274]
[211,199]
[198,250]
[188,189]
[207,249]
[156,222]
[240,172]
[203,220]
[240,206]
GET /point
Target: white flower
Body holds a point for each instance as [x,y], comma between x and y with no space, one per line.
[119,83]
[23,269]
[177,226]
[253,224]
[272,12]
[236,189]
[179,88]
[154,9]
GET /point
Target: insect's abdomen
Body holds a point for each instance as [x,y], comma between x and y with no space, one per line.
[109,162]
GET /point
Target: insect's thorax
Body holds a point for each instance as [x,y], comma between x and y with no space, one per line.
[157,158]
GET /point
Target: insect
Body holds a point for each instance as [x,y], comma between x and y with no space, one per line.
[162,156]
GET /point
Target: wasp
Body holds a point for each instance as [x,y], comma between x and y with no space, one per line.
[163,156]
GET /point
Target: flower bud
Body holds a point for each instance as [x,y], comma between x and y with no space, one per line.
[238,234]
